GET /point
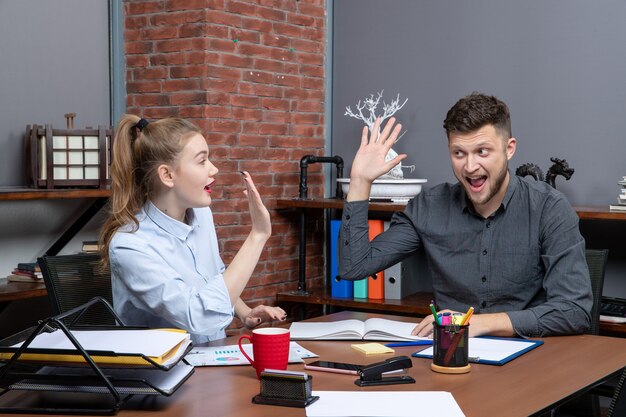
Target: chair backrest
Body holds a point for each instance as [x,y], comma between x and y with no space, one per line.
[72,280]
[596,261]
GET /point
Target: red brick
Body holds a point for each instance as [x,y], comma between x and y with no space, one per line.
[143,87]
[143,8]
[244,101]
[272,129]
[258,77]
[307,46]
[222,45]
[288,30]
[260,90]
[217,112]
[236,61]
[173,58]
[189,71]
[271,14]
[311,10]
[245,36]
[191,112]
[166,19]
[217,98]
[300,19]
[135,22]
[173,45]
[312,70]
[215,31]
[314,83]
[138,47]
[192,31]
[313,34]
[214,71]
[137,61]
[275,104]
[187,4]
[223,18]
[196,57]
[311,59]
[188,98]
[252,140]
[257,24]
[160,112]
[289,80]
[247,114]
[163,32]
[269,65]
[224,86]
[224,126]
[311,106]
[146,100]
[133,35]
[184,84]
[239,8]
[271,39]
[149,73]
[276,117]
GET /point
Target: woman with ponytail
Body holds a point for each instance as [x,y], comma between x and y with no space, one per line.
[160,239]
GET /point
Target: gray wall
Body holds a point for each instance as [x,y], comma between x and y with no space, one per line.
[560,65]
[55,60]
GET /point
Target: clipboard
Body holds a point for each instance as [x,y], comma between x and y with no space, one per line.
[491,350]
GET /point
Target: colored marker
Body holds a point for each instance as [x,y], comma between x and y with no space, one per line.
[432,308]
[446,319]
[467,316]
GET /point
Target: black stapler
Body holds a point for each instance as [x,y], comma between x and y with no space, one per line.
[373,374]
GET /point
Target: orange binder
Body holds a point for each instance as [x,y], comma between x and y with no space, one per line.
[376,284]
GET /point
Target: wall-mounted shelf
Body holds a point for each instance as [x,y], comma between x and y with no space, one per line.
[21,193]
[584,212]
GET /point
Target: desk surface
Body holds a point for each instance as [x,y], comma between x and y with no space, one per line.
[560,368]
[11,291]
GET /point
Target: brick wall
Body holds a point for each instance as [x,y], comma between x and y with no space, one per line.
[251,75]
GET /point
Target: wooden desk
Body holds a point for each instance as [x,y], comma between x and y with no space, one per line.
[11,291]
[530,384]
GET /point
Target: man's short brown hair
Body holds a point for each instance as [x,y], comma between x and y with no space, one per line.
[476,110]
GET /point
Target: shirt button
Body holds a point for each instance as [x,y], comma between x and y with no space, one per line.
[484,279]
[483,304]
[347,217]
[488,225]
[346,243]
[484,251]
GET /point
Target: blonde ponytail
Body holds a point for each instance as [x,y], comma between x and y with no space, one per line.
[137,152]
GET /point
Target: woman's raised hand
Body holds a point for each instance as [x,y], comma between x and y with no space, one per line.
[260,216]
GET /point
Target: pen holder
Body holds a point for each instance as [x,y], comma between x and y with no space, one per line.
[450,349]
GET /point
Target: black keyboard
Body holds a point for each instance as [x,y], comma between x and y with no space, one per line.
[613,307]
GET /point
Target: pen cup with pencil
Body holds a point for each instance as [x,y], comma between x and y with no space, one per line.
[450,348]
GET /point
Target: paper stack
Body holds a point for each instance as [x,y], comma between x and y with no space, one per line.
[621,198]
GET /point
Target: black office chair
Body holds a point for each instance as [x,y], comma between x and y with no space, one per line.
[596,261]
[618,404]
[588,405]
[72,280]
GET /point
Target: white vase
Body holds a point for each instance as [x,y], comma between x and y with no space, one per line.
[398,191]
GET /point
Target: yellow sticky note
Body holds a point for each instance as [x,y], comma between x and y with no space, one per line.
[372,348]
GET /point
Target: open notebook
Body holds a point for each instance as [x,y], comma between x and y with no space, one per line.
[370,329]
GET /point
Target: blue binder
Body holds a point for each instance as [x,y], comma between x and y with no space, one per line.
[338,287]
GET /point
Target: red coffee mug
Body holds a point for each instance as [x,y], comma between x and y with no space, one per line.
[270,348]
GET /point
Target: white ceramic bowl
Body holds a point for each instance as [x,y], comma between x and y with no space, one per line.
[397,191]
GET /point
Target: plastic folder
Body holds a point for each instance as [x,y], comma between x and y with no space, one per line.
[338,287]
[376,283]
[492,350]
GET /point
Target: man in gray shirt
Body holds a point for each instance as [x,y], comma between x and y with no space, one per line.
[508,246]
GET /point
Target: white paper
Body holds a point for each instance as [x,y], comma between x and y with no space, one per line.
[384,403]
[152,343]
[231,355]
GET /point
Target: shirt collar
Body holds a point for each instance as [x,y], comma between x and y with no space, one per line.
[170,225]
